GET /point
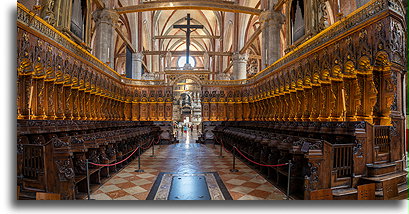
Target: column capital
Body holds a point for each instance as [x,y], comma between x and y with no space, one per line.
[269,17]
[138,56]
[105,16]
[238,57]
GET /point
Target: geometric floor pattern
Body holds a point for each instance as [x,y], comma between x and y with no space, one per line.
[186,157]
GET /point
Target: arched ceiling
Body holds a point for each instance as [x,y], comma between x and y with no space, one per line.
[218,34]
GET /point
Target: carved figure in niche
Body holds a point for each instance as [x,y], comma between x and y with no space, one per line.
[168,59]
[48,12]
[206,61]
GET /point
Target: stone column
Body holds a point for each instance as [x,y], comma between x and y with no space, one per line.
[274,50]
[271,23]
[264,17]
[105,21]
[239,66]
[137,65]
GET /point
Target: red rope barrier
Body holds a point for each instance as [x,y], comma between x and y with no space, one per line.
[96,164]
[158,140]
[149,145]
[224,148]
[259,163]
[222,145]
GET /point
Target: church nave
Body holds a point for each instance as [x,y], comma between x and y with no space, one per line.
[186,157]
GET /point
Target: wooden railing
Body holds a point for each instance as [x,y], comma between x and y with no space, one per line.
[33,161]
[381,139]
[342,160]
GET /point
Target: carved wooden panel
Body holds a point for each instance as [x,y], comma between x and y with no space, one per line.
[366,191]
[322,194]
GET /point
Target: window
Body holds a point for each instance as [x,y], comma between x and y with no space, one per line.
[182,61]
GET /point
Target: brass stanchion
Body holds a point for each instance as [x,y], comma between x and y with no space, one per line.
[234,160]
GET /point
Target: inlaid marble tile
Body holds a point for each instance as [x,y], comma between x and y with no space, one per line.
[242,189]
[109,188]
[187,158]
[135,190]
[235,181]
[118,180]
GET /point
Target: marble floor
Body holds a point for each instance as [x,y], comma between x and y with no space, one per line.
[186,157]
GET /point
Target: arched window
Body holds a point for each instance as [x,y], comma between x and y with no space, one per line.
[297,20]
[78,18]
[182,61]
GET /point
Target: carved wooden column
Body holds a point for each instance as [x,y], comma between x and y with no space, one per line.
[143,109]
[230,109]
[286,107]
[205,110]
[299,96]
[368,97]
[23,96]
[386,83]
[326,99]
[316,98]
[135,108]
[292,108]
[38,98]
[161,109]
[264,106]
[50,96]
[82,102]
[306,109]
[75,100]
[169,110]
[274,108]
[213,109]
[93,104]
[352,98]
[251,109]
[337,103]
[153,110]
[67,100]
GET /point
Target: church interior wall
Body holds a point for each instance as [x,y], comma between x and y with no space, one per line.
[347,74]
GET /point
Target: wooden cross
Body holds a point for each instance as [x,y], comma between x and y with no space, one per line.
[188,27]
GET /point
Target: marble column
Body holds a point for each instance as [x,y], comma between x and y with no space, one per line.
[271,23]
[105,21]
[239,66]
[137,65]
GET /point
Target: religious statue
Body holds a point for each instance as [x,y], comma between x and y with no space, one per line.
[206,61]
[168,60]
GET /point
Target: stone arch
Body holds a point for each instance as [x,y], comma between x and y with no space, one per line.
[186,76]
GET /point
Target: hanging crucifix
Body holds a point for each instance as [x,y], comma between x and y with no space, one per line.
[188,30]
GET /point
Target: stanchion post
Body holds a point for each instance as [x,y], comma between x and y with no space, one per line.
[221,149]
[288,180]
[234,160]
[88,188]
[153,148]
[139,160]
